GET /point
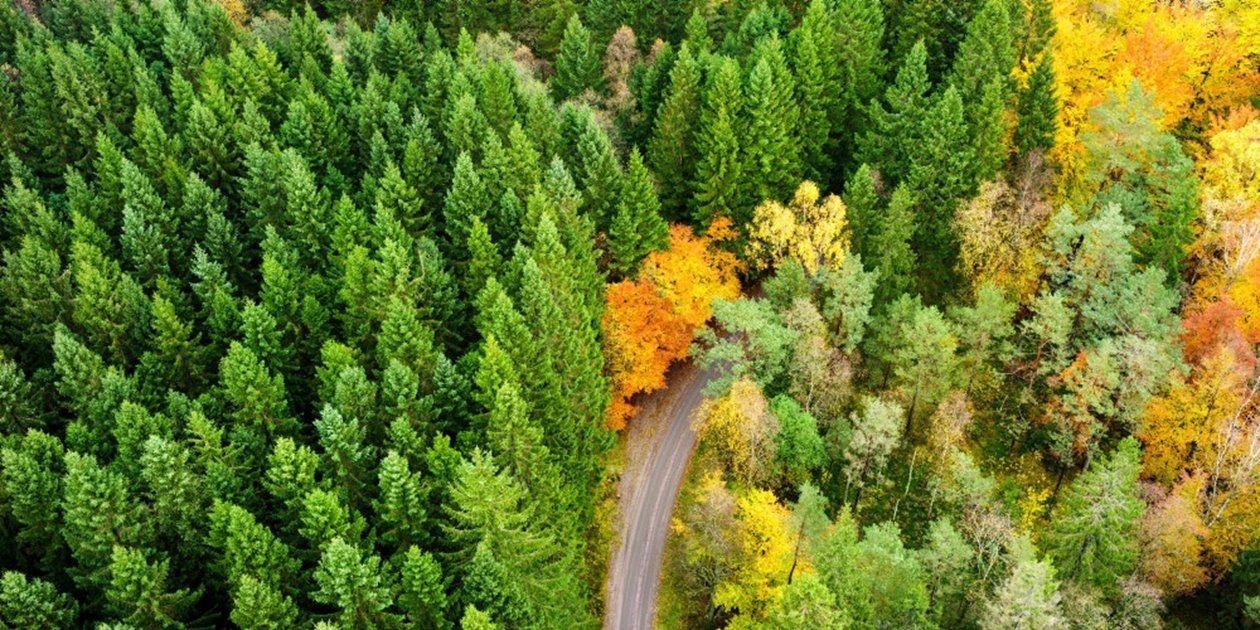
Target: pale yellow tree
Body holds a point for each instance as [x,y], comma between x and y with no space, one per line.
[806,230]
[741,427]
[1230,234]
[998,231]
[1172,541]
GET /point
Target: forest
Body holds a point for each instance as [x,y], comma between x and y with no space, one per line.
[338,314]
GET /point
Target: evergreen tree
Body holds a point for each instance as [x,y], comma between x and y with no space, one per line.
[817,71]
[938,175]
[1038,109]
[860,53]
[257,605]
[577,64]
[861,210]
[897,124]
[719,183]
[637,228]
[1095,538]
[353,583]
[772,146]
[599,174]
[99,514]
[671,151]
[892,256]
[467,199]
[422,589]
[137,590]
[33,603]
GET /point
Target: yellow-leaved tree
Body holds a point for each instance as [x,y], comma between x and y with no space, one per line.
[806,230]
[742,428]
[766,542]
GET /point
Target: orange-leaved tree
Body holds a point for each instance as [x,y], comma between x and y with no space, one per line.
[648,322]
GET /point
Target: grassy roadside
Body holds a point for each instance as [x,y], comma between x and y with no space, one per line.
[675,608]
[601,537]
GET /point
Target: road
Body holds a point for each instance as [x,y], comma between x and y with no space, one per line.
[658,446]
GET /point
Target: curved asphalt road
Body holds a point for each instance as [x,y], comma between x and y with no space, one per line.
[658,448]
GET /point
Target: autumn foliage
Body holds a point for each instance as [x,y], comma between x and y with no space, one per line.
[648,322]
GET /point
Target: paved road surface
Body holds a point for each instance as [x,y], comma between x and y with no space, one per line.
[658,448]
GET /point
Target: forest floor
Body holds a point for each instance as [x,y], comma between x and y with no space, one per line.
[658,447]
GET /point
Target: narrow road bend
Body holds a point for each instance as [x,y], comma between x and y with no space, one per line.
[658,447]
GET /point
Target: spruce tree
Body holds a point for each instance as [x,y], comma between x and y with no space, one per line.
[939,178]
[353,582]
[719,183]
[466,199]
[891,253]
[1095,537]
[33,603]
[772,146]
[577,64]
[1038,109]
[896,125]
[672,150]
[861,210]
[599,174]
[637,228]
[817,70]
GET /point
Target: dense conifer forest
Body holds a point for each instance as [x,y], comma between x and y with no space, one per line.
[338,314]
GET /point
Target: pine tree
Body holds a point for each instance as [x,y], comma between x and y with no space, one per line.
[638,227]
[671,151]
[772,146]
[353,583]
[1038,109]
[466,199]
[817,70]
[33,603]
[897,123]
[719,183]
[577,64]
[599,174]
[1095,537]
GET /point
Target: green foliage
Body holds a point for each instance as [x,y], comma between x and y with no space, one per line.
[772,151]
[302,315]
[33,603]
[578,62]
[353,583]
[1095,535]
[637,228]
